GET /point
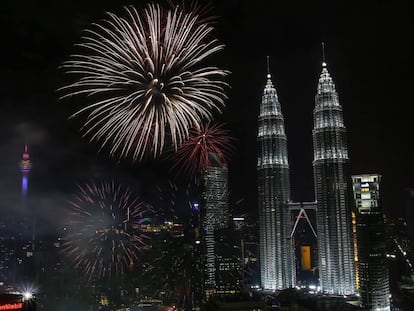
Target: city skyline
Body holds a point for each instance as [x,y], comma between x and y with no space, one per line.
[41,37]
[270,111]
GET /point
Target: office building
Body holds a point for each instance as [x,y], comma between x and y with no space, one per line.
[214,205]
[332,191]
[332,195]
[229,261]
[276,249]
[372,261]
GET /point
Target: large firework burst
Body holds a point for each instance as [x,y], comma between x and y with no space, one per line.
[207,144]
[147,78]
[103,232]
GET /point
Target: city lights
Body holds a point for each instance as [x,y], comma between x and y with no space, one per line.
[153,157]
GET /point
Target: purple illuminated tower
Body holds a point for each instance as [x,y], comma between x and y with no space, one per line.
[25,166]
[27,225]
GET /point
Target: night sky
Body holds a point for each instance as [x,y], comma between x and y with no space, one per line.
[369,51]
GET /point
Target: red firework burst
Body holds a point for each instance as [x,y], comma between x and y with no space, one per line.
[211,144]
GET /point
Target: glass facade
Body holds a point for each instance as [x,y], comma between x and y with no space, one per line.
[229,261]
[330,165]
[372,261]
[215,209]
[276,248]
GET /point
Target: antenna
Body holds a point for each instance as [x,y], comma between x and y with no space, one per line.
[268,66]
[323,55]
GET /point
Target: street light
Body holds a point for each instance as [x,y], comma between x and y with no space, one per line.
[27,295]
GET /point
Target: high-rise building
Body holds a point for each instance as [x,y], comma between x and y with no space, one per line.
[196,259]
[214,203]
[409,217]
[247,226]
[162,276]
[332,191]
[276,249]
[8,250]
[372,261]
[229,261]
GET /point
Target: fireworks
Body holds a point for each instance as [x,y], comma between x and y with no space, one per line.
[174,201]
[103,232]
[210,143]
[146,76]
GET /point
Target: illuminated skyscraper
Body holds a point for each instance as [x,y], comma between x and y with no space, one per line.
[276,249]
[330,166]
[215,215]
[229,261]
[372,264]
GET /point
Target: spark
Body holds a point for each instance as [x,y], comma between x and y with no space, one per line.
[207,144]
[103,234]
[147,77]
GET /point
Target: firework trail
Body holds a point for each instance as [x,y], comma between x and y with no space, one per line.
[172,201]
[103,234]
[146,76]
[202,10]
[210,142]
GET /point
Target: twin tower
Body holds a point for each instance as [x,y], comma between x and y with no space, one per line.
[331,180]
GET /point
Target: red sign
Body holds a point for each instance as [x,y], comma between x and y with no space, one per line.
[12,306]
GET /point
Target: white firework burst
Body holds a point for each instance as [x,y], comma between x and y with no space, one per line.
[146,77]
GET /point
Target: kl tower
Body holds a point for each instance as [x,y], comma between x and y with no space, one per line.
[25,166]
[27,234]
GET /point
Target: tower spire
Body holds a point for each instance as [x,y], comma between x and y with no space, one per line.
[268,66]
[323,55]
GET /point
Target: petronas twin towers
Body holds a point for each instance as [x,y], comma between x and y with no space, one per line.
[331,179]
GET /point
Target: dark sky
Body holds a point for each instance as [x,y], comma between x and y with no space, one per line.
[369,51]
